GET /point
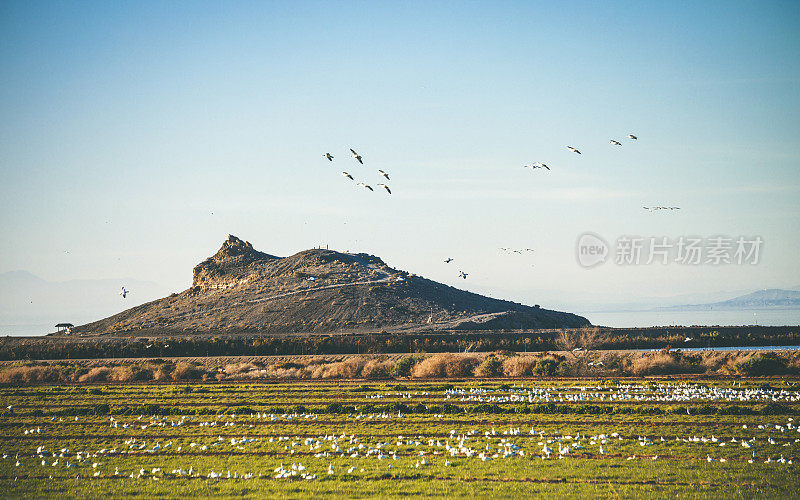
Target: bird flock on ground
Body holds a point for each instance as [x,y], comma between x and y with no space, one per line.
[334,453]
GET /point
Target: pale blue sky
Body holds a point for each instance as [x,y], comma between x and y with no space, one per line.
[127,124]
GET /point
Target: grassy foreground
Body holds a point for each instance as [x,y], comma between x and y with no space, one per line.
[396,439]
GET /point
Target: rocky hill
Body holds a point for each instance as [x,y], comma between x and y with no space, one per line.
[240,289]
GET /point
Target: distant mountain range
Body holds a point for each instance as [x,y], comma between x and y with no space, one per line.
[773,298]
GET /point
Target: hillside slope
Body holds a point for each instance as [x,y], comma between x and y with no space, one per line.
[242,289]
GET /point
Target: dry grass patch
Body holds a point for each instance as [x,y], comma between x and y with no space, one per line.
[445,365]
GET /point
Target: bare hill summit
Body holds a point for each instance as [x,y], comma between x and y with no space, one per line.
[240,289]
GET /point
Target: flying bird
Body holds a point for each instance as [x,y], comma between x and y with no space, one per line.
[347,175]
[356,156]
[632,137]
[123,292]
[573,149]
[329,156]
[366,186]
[448,260]
[462,274]
[616,143]
[536,165]
[384,186]
[384,174]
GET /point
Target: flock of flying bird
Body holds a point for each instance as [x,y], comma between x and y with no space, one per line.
[538,164]
[533,166]
[360,160]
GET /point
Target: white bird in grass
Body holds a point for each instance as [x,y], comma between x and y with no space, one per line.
[356,156]
[384,174]
[573,149]
[384,186]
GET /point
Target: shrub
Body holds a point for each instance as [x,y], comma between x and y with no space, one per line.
[665,363]
[349,368]
[186,371]
[96,374]
[238,369]
[121,374]
[549,366]
[519,366]
[376,369]
[403,366]
[762,364]
[490,367]
[445,365]
[278,371]
[142,373]
[29,374]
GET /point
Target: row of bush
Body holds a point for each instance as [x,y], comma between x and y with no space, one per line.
[419,366]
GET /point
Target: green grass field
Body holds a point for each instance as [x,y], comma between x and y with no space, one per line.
[367,439]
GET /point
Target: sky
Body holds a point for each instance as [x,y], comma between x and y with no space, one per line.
[137,135]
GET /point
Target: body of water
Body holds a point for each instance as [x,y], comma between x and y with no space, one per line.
[632,319]
[26,330]
[751,348]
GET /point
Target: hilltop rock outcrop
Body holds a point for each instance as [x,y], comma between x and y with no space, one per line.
[236,262]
